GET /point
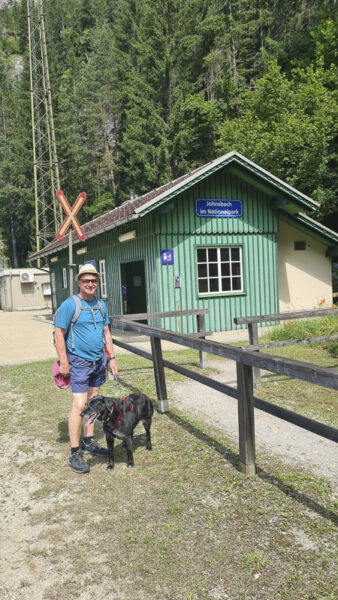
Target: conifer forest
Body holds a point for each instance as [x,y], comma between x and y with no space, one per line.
[144,91]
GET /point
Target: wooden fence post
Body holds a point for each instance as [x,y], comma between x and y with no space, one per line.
[201,327]
[246,419]
[253,338]
[161,388]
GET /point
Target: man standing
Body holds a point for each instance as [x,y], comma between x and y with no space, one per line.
[80,349]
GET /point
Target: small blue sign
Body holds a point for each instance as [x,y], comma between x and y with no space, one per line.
[124,289]
[219,207]
[167,257]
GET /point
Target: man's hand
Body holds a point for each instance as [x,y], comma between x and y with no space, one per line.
[64,368]
[112,366]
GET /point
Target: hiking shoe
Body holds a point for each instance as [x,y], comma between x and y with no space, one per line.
[94,448]
[77,463]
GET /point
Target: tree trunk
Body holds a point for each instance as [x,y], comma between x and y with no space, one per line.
[106,149]
[14,249]
[233,61]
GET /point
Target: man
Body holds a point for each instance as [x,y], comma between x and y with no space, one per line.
[82,355]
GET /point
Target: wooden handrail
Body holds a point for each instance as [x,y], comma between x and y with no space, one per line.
[300,314]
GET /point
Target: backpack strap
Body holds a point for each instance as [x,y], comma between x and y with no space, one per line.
[103,315]
[76,314]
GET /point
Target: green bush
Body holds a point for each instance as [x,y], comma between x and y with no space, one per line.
[332,348]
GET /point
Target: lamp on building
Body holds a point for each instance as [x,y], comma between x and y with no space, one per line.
[54,259]
[82,250]
[130,235]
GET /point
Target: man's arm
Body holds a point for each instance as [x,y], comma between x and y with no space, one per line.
[112,364]
[60,345]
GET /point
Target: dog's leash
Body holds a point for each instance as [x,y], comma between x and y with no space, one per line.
[113,378]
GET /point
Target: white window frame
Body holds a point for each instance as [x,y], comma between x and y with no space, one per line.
[64,278]
[214,276]
[103,279]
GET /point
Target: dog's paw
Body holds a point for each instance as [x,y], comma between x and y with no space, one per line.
[130,465]
[110,467]
[149,448]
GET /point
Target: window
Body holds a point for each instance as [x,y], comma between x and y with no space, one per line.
[219,270]
[64,278]
[102,271]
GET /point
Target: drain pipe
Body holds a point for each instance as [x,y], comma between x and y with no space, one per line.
[11,289]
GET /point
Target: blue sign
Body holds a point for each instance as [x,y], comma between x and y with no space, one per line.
[167,257]
[219,207]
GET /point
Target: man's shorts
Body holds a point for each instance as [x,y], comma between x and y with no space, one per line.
[86,373]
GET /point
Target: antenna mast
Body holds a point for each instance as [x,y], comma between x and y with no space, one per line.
[45,163]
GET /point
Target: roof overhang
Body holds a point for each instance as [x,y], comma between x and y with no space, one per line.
[281,194]
[316,230]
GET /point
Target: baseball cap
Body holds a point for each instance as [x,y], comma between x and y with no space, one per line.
[62,381]
[87,268]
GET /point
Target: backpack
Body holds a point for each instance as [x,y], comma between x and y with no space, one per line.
[76,314]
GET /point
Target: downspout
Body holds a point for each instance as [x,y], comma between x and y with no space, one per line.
[10,289]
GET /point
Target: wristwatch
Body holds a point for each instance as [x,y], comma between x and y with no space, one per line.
[111,358]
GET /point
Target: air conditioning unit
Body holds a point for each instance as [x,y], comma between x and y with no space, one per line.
[26,277]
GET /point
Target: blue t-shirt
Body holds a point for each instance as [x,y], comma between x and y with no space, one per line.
[88,338]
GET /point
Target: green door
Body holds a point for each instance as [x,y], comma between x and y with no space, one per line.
[133,287]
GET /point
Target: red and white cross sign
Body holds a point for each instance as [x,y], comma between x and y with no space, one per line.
[71,212]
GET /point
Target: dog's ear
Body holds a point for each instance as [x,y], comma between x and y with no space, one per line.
[97,398]
[109,401]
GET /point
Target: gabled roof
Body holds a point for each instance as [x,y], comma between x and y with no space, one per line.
[138,207]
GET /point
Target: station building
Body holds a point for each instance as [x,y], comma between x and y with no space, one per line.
[228,236]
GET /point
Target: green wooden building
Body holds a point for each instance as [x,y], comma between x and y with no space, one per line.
[228,236]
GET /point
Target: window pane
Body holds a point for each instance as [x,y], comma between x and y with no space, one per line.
[226,284]
[202,286]
[236,283]
[201,255]
[214,285]
[212,254]
[202,271]
[225,269]
[213,270]
[235,253]
[236,269]
[224,254]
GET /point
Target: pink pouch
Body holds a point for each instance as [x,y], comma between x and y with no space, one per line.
[61,381]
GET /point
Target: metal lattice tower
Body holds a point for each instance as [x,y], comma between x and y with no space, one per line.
[45,163]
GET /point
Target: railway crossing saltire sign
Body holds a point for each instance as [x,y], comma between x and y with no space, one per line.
[71,213]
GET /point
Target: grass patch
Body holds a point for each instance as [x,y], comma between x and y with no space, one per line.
[301,329]
[183,524]
[313,401]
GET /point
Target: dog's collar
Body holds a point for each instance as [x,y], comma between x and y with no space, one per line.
[119,415]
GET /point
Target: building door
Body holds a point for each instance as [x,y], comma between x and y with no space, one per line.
[134,298]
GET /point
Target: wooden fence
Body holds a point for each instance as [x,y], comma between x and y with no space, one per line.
[245,360]
[252,323]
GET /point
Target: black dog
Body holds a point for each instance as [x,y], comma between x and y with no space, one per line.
[119,418]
